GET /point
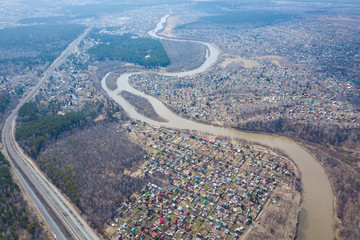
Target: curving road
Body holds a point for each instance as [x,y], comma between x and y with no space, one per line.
[59,214]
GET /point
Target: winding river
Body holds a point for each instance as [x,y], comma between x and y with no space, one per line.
[316,216]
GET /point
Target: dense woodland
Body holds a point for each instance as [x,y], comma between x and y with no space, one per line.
[39,124]
[331,136]
[129,48]
[5,99]
[30,46]
[342,167]
[257,18]
[85,159]
[313,132]
[91,163]
[16,221]
[184,55]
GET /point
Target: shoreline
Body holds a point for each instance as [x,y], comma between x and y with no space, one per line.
[297,152]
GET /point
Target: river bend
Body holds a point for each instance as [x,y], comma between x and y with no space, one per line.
[316,216]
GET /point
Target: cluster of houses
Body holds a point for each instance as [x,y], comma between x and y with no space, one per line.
[325,74]
[227,96]
[198,187]
[298,40]
[70,87]
[134,21]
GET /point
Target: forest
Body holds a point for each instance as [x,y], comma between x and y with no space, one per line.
[184,55]
[146,52]
[15,220]
[4,100]
[89,167]
[97,9]
[85,158]
[51,19]
[38,124]
[241,17]
[312,132]
[29,46]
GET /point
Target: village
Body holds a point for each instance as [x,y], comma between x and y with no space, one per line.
[270,72]
[288,43]
[198,187]
[225,96]
[71,90]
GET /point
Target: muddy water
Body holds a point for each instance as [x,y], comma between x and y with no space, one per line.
[210,56]
[316,217]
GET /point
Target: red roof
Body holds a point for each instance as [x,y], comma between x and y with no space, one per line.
[153,234]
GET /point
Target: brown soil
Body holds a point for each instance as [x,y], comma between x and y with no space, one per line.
[142,106]
[171,23]
[247,63]
[279,219]
[276,60]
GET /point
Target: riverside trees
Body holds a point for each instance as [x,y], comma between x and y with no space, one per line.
[129,48]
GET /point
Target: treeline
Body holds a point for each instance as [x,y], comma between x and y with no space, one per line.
[313,132]
[341,165]
[240,17]
[142,105]
[337,148]
[184,55]
[29,46]
[37,37]
[38,124]
[15,221]
[89,167]
[4,101]
[85,159]
[47,20]
[128,48]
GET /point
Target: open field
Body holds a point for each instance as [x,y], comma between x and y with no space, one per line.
[247,63]
[276,60]
[170,24]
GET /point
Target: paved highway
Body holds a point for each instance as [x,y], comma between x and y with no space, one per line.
[59,214]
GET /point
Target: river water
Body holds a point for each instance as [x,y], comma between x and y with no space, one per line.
[316,216]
